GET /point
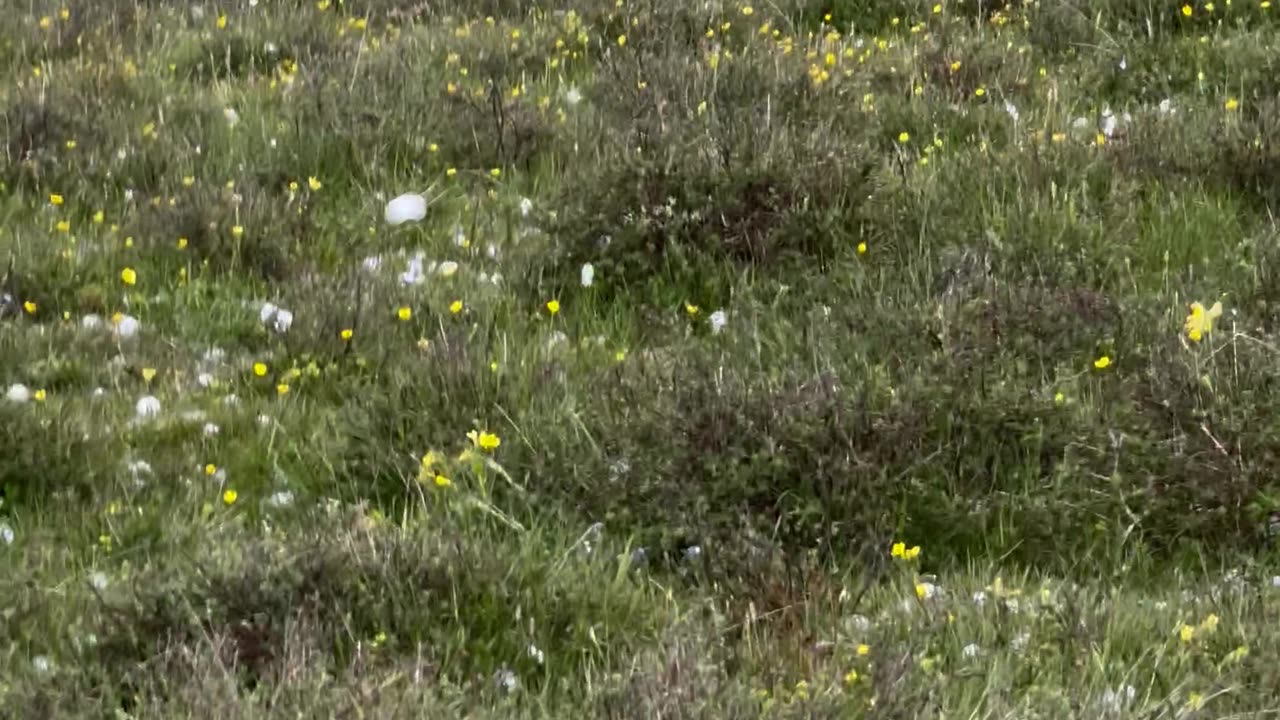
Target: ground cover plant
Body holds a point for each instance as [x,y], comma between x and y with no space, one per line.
[639,359]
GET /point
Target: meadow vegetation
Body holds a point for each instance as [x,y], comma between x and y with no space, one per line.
[811,358]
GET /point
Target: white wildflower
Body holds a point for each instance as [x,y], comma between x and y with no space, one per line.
[971,650]
[506,680]
[536,654]
[267,312]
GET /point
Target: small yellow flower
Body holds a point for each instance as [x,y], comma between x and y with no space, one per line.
[99,217]
[182,243]
[1059,398]
[1231,105]
[921,590]
[63,226]
[691,309]
[222,22]
[237,230]
[1102,363]
[129,276]
[40,395]
[1186,11]
[55,199]
[260,369]
[347,333]
[862,248]
[442,481]
[904,137]
[488,441]
[188,180]
[553,306]
[210,469]
[863,650]
[1195,701]
[622,41]
[282,389]
[980,91]
[851,677]
[148,374]
[229,496]
[748,10]
[46,22]
[404,313]
[1186,633]
[455,307]
[496,172]
[912,553]
[30,307]
[898,550]
[451,172]
[314,183]
[1209,624]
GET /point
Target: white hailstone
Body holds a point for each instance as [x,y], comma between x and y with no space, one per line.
[98,580]
[128,327]
[980,598]
[496,278]
[506,681]
[284,320]
[572,96]
[587,275]
[138,468]
[204,379]
[1275,581]
[128,193]
[210,429]
[1166,107]
[6,533]
[1012,109]
[231,115]
[372,263]
[459,236]
[971,650]
[99,392]
[280,499]
[18,393]
[232,400]
[1019,642]
[414,275]
[448,268]
[264,420]
[557,338]
[267,312]
[492,251]
[536,654]
[526,207]
[1124,63]
[718,320]
[148,406]
[270,47]
[41,664]
[272,143]
[1109,123]
[409,207]
[693,552]
[91,322]
[861,623]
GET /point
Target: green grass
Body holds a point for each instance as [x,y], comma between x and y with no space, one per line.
[863,273]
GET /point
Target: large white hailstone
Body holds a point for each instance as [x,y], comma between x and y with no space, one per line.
[588,275]
[448,268]
[409,207]
[147,407]
[18,393]
[91,322]
[719,319]
[266,312]
[284,319]
[128,326]
[231,115]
